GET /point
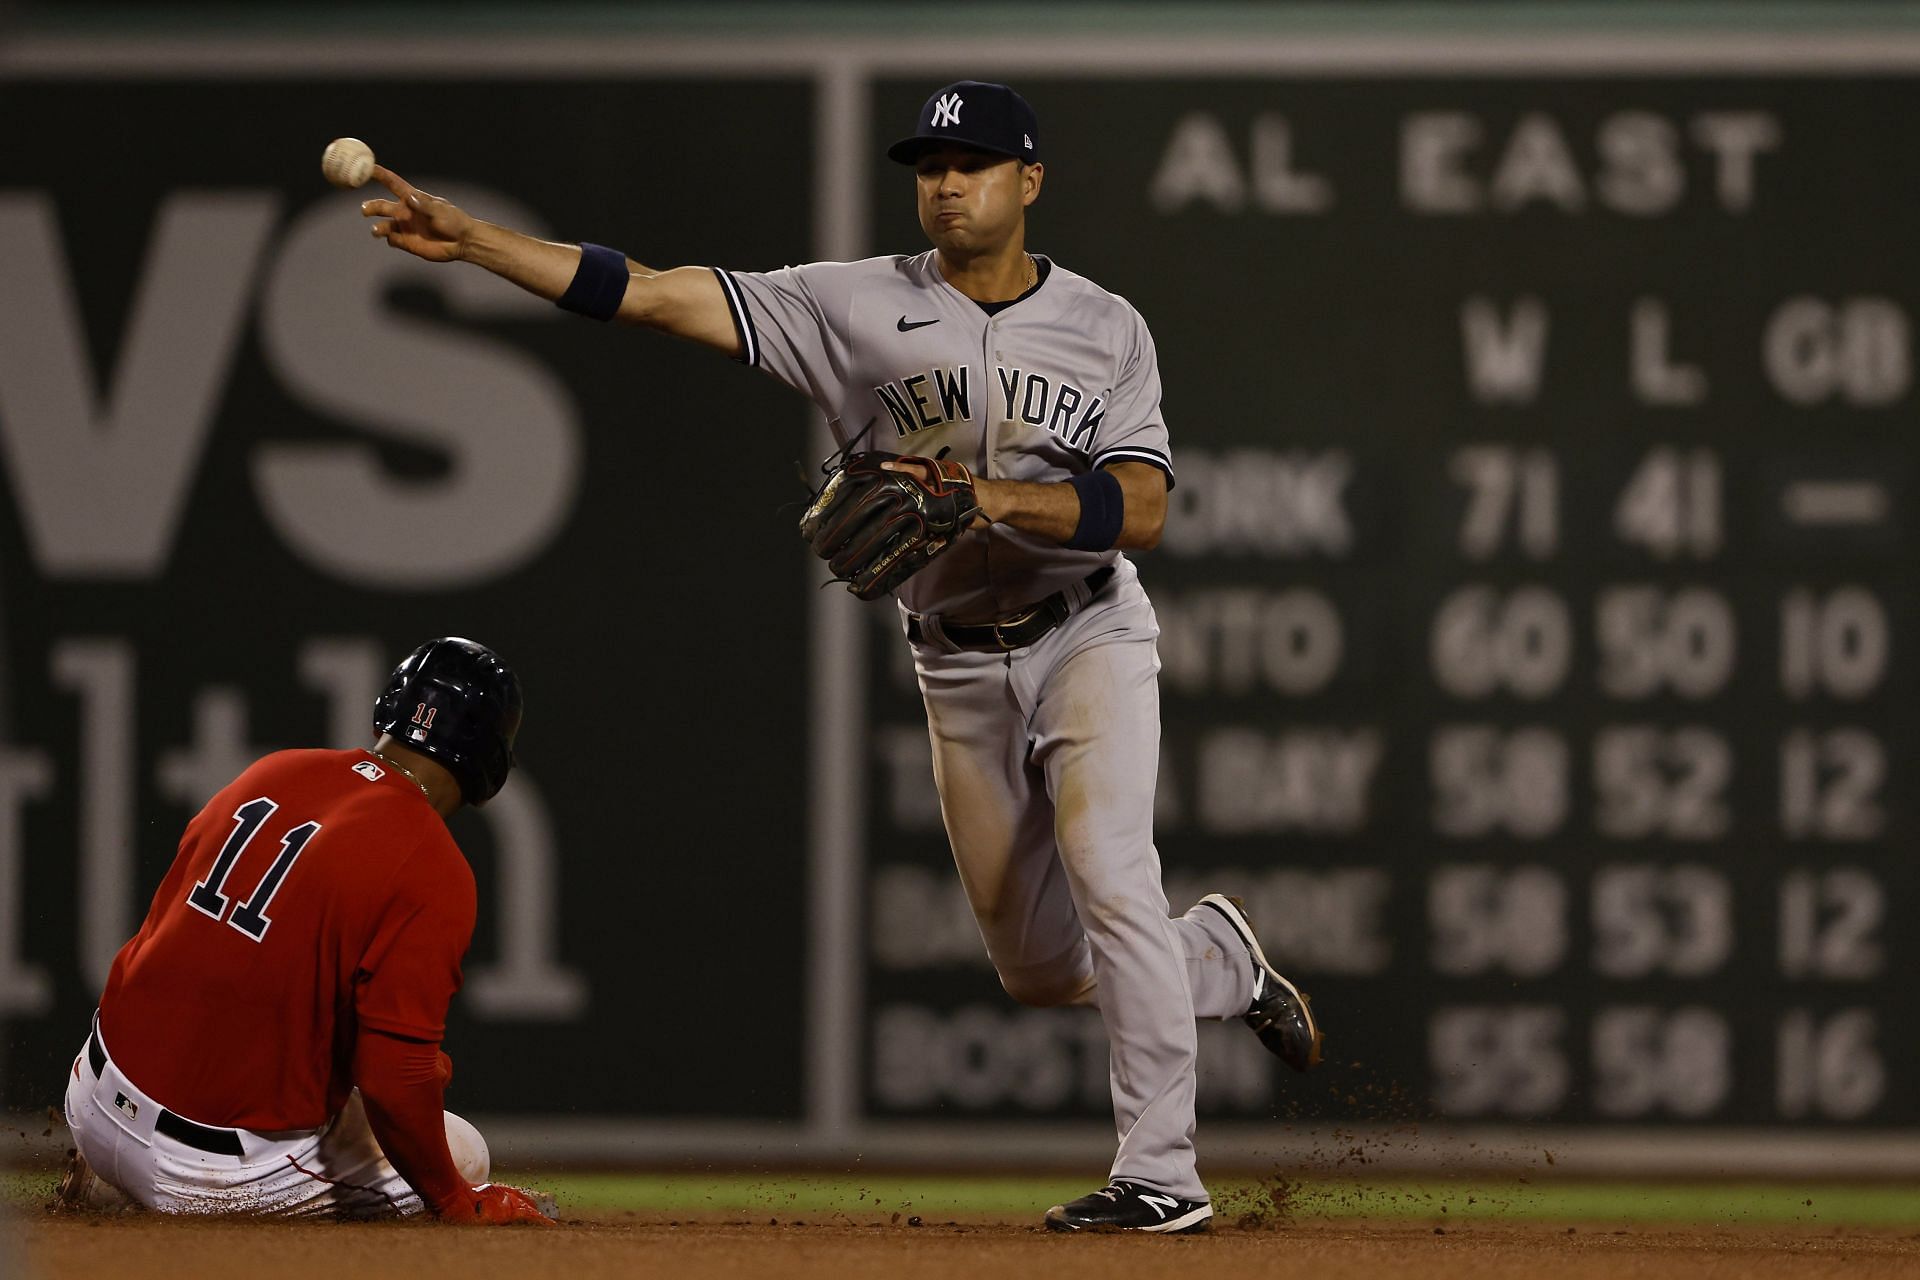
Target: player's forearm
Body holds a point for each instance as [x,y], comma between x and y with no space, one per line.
[1052,511]
[540,267]
[685,302]
[400,1085]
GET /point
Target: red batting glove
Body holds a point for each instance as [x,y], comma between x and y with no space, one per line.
[498,1205]
[443,1068]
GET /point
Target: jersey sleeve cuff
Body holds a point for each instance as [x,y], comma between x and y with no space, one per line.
[1134,453]
[742,318]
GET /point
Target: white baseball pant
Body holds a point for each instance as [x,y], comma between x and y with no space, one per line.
[1046,759]
[336,1170]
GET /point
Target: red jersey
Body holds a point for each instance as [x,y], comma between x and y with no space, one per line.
[318,893]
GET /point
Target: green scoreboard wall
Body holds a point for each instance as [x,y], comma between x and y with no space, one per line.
[1535,624]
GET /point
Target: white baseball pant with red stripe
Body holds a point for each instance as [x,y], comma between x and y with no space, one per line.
[337,1170]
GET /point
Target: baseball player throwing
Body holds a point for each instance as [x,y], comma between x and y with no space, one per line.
[269,1042]
[999,419]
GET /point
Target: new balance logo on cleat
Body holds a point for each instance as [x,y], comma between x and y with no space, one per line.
[1128,1206]
[1162,1205]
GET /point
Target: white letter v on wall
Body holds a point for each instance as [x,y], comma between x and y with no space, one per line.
[101,478]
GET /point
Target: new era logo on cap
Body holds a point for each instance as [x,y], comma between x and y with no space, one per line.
[977,114]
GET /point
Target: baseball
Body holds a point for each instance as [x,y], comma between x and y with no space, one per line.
[347,162]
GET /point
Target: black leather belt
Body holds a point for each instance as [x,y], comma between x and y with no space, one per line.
[1020,630]
[219,1142]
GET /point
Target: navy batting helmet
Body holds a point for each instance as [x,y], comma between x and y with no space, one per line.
[455,701]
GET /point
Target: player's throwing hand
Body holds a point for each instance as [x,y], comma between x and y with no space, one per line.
[424,225]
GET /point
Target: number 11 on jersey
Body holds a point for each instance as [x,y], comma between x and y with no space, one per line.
[250,917]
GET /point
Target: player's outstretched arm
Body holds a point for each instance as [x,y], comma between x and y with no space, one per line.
[686,301]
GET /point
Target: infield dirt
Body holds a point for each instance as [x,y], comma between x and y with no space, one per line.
[69,1247]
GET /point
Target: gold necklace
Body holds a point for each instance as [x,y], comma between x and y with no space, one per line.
[410,778]
[1033,272]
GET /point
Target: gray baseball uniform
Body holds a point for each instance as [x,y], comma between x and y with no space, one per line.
[1045,757]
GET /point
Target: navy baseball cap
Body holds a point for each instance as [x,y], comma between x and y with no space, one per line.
[973,113]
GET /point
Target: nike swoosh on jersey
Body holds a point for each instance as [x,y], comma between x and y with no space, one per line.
[904,327]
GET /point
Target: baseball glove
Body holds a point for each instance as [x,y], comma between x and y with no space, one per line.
[876,528]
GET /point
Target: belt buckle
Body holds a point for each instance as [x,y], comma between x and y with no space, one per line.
[1006,645]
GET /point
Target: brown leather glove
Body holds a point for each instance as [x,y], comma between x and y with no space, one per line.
[876,526]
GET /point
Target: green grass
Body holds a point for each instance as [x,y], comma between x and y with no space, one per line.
[812,1196]
[801,1195]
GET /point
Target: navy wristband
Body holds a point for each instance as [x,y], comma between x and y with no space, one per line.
[598,285]
[1103,509]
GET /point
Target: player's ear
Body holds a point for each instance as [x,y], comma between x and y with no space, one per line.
[1031,176]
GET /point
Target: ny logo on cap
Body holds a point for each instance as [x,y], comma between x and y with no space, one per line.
[946,111]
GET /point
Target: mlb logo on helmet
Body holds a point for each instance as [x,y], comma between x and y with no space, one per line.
[973,113]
